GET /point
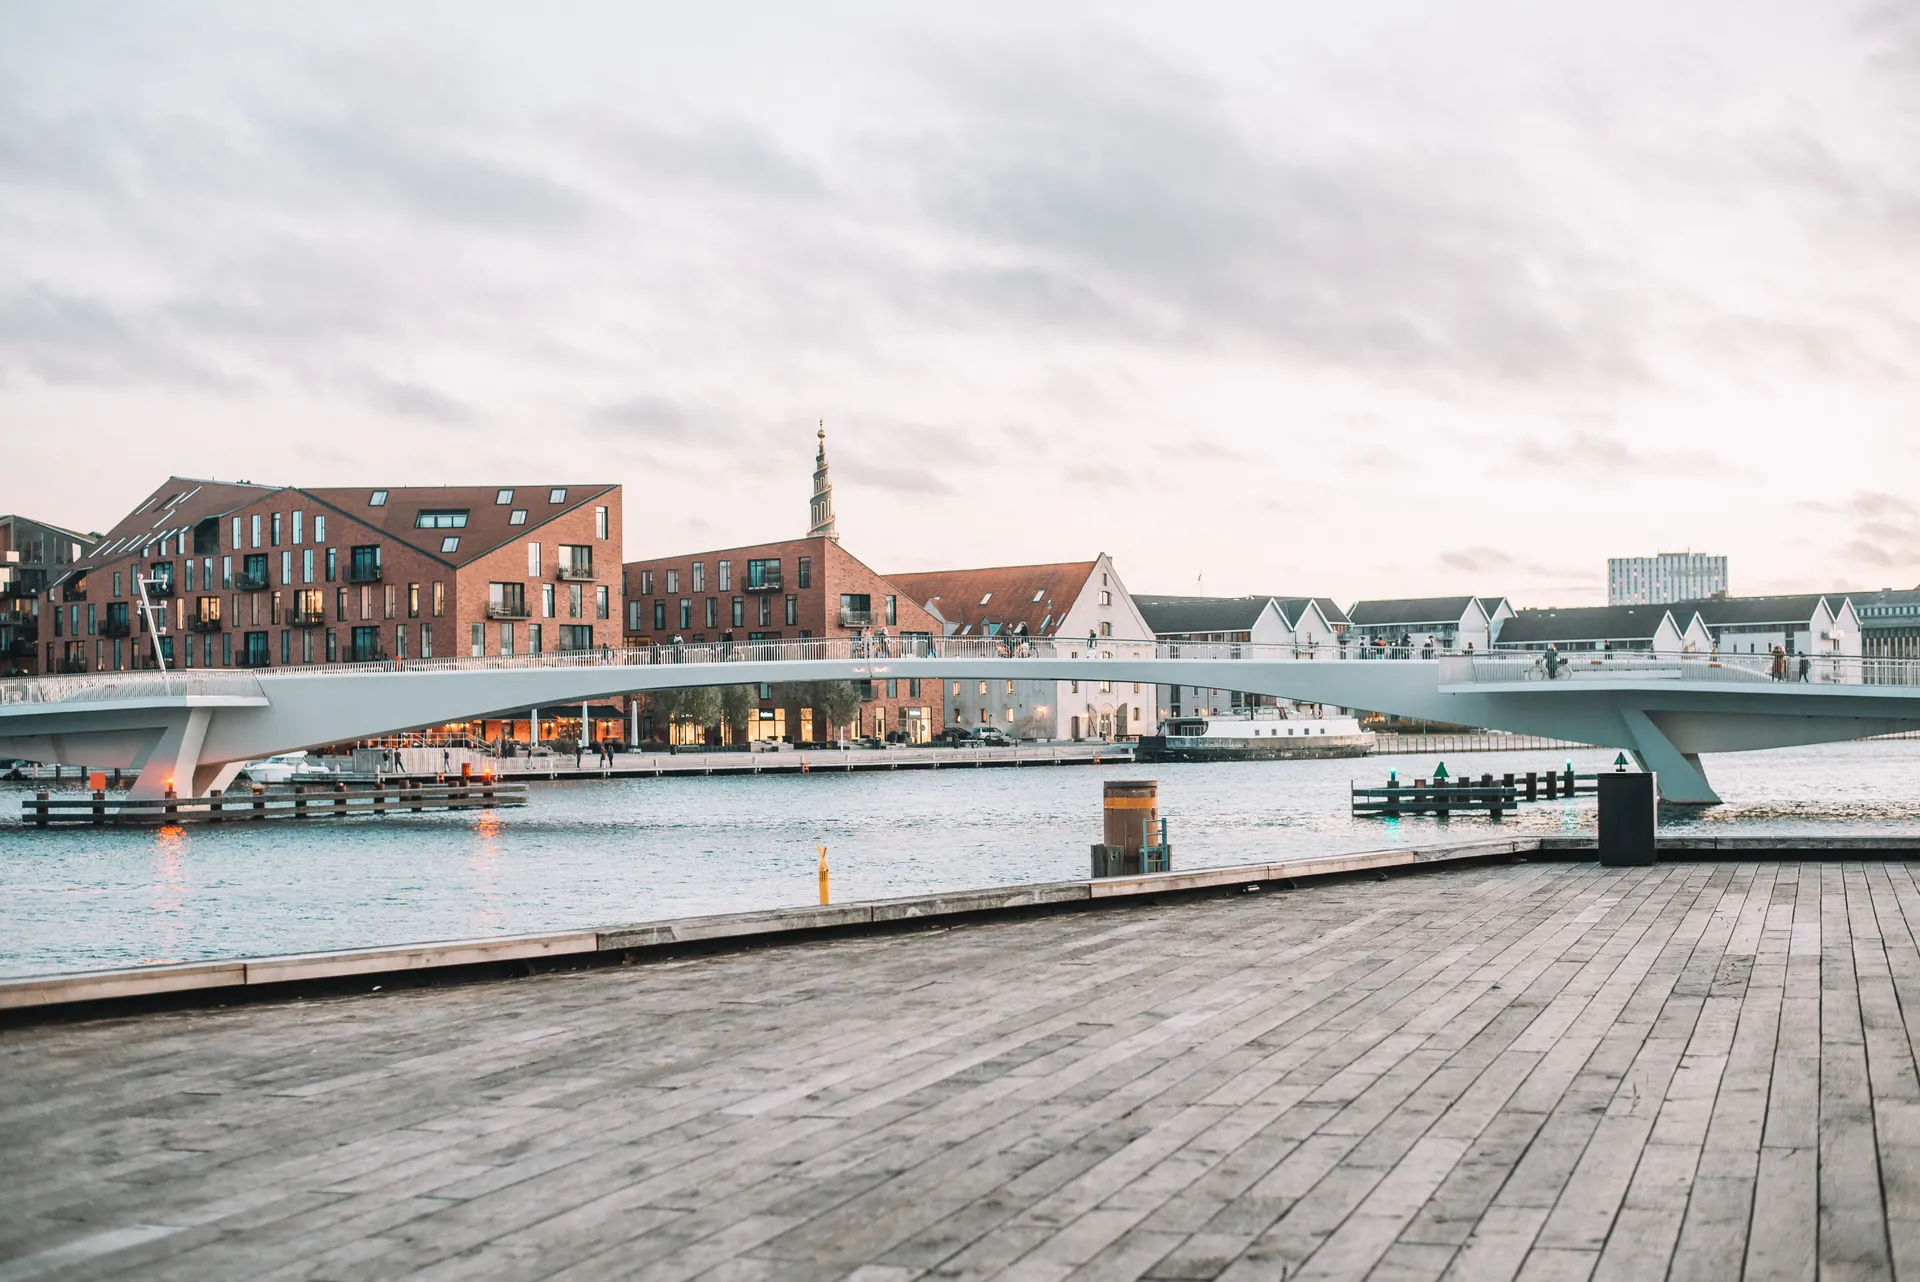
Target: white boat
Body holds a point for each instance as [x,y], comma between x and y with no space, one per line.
[282,767]
[1266,734]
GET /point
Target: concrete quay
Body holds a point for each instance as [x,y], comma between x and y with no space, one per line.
[1476,1069]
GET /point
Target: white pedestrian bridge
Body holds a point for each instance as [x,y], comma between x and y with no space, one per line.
[189,731]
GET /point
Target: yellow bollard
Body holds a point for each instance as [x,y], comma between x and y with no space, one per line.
[823,875]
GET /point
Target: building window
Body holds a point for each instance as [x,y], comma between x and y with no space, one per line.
[1106,629]
[388,614]
[557,496]
[766,611]
[450,544]
[319,527]
[517,517]
[573,601]
[600,523]
[413,600]
[1106,687]
[646,583]
[726,577]
[576,636]
[699,577]
[339,604]
[286,569]
[306,565]
[447,519]
[236,534]
[476,638]
[546,600]
[763,576]
[659,616]
[1009,687]
[806,571]
[533,560]
[331,565]
[116,581]
[739,611]
[956,689]
[503,498]
[506,638]
[276,529]
[1106,598]
[439,599]
[686,613]
[633,616]
[893,687]
[533,639]
[893,610]
[793,609]
[377,499]
[673,581]
[363,564]
[713,612]
[983,689]
[298,524]
[255,529]
[426,640]
[602,606]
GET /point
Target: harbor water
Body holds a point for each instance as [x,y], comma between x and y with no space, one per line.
[602,852]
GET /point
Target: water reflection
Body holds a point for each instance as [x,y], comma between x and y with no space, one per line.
[486,918]
[171,846]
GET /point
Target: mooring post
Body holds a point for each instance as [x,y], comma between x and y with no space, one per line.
[1533,785]
[40,809]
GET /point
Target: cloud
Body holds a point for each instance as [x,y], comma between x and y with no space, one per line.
[1591,452]
[65,337]
[726,156]
[1113,190]
[414,400]
[1481,559]
[1882,530]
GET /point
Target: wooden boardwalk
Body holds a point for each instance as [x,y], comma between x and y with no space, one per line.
[1545,1070]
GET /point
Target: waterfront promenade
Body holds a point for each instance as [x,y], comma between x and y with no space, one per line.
[1543,1069]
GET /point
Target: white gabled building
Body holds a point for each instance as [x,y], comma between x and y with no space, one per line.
[1605,627]
[1078,605]
[1814,623]
[1444,622]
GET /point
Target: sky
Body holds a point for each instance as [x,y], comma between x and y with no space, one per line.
[1376,299]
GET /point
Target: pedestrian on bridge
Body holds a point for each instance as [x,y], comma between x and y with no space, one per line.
[1806,668]
[1553,662]
[1779,669]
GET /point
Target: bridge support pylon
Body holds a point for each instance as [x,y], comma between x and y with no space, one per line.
[174,762]
[1682,780]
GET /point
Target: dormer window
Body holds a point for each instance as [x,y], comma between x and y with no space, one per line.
[517,517]
[377,499]
[1036,596]
[450,544]
[557,496]
[988,597]
[503,498]
[447,519]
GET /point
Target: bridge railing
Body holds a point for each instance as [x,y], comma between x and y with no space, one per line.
[1508,666]
[101,687]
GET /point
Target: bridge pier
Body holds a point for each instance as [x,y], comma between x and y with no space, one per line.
[174,762]
[1681,778]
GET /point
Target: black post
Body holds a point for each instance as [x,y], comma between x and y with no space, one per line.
[1628,818]
[1533,785]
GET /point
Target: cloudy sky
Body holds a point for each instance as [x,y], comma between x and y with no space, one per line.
[1367,299]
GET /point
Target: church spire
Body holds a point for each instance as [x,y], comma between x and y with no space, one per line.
[822,493]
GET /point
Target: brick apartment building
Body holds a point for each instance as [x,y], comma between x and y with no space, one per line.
[255,576]
[32,554]
[810,587]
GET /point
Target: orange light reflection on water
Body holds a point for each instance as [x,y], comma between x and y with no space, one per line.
[486,916]
[171,846]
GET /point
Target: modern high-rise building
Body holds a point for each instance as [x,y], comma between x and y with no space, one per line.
[1666,578]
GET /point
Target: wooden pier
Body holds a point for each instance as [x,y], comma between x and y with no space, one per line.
[301,801]
[1444,796]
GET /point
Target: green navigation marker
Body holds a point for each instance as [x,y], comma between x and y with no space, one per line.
[1620,762]
[1440,772]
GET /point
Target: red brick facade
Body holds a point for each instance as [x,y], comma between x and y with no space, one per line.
[798,590]
[291,576]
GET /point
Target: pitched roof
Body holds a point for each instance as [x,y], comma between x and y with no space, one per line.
[488,520]
[1410,610]
[1735,611]
[1896,607]
[1008,595]
[1292,607]
[172,509]
[1590,623]
[1174,616]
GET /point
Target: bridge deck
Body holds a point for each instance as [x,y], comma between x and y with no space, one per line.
[1544,1067]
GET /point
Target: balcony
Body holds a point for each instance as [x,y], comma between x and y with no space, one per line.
[766,583]
[508,610]
[157,588]
[209,624]
[15,619]
[363,574]
[23,648]
[575,573]
[253,660]
[300,619]
[111,627]
[249,583]
[68,666]
[856,618]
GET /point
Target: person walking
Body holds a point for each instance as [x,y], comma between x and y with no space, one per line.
[1553,663]
[579,749]
[1779,669]
[1806,668]
[446,762]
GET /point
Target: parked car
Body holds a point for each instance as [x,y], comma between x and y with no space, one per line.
[994,737]
[954,737]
